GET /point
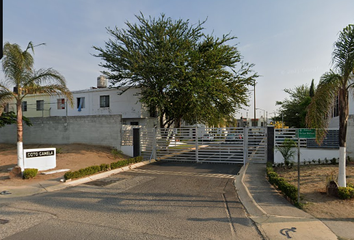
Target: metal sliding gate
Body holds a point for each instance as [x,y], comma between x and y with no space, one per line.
[210,145]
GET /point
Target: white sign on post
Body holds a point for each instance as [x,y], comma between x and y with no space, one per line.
[41,159]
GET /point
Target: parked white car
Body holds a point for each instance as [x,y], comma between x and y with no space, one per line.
[208,137]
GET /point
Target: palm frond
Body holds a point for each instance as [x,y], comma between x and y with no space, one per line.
[343,54]
[321,103]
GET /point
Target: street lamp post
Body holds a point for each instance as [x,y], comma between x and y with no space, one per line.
[254,91]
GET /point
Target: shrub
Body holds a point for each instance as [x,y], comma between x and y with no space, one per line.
[333,161]
[116,153]
[286,149]
[286,188]
[30,173]
[103,167]
[59,151]
[345,192]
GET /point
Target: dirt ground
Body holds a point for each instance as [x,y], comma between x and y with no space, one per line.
[73,157]
[313,188]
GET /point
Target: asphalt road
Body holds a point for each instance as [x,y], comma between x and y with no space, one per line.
[157,201]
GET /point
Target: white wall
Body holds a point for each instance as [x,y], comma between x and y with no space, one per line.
[351,103]
[309,154]
[97,130]
[127,104]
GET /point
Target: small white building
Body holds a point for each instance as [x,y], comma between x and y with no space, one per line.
[334,123]
[101,100]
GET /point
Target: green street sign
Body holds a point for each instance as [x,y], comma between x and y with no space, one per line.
[305,133]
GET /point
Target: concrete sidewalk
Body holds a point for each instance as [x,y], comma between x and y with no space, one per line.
[275,217]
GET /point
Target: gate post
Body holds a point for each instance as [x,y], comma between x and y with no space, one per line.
[196,143]
[136,142]
[154,144]
[270,144]
[245,145]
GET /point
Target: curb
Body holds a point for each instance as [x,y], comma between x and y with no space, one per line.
[42,188]
[246,197]
[70,183]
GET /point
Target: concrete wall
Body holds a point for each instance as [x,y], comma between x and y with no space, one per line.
[97,130]
[309,154]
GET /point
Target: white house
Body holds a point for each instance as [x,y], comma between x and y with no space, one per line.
[334,123]
[104,101]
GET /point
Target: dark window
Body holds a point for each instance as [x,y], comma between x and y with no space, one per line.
[80,103]
[104,101]
[40,105]
[134,123]
[6,107]
[24,106]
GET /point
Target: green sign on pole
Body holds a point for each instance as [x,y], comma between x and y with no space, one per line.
[305,133]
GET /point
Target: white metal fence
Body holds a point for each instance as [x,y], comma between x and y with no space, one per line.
[212,145]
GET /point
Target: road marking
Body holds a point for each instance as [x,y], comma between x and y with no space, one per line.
[211,175]
[227,210]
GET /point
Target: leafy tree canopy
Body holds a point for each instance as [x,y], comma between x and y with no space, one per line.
[293,110]
[182,72]
[7,118]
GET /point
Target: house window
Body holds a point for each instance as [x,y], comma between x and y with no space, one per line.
[134,123]
[6,107]
[40,105]
[61,103]
[80,103]
[104,101]
[24,106]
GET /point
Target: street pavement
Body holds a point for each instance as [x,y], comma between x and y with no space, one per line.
[272,216]
[155,201]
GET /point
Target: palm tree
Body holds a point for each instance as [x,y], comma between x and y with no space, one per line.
[19,73]
[336,82]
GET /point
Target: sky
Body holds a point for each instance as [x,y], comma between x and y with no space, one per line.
[290,42]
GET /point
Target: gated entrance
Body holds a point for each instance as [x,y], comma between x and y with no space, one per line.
[209,145]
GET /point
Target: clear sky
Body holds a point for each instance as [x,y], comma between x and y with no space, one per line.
[290,42]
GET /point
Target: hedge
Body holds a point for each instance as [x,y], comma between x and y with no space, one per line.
[29,173]
[103,167]
[345,192]
[286,188]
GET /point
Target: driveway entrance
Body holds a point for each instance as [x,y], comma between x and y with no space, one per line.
[209,145]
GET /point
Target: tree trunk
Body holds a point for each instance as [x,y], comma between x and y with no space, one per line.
[343,120]
[20,162]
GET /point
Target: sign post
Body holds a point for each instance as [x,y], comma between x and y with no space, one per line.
[302,133]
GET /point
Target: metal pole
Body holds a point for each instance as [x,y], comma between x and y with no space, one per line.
[196,144]
[255,102]
[298,169]
[154,144]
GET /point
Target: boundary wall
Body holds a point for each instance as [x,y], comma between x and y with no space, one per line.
[104,130]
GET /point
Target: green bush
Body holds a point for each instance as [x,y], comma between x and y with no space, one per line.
[103,167]
[286,188]
[30,173]
[345,192]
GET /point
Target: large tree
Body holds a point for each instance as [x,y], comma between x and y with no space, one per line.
[335,83]
[293,110]
[20,74]
[183,73]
